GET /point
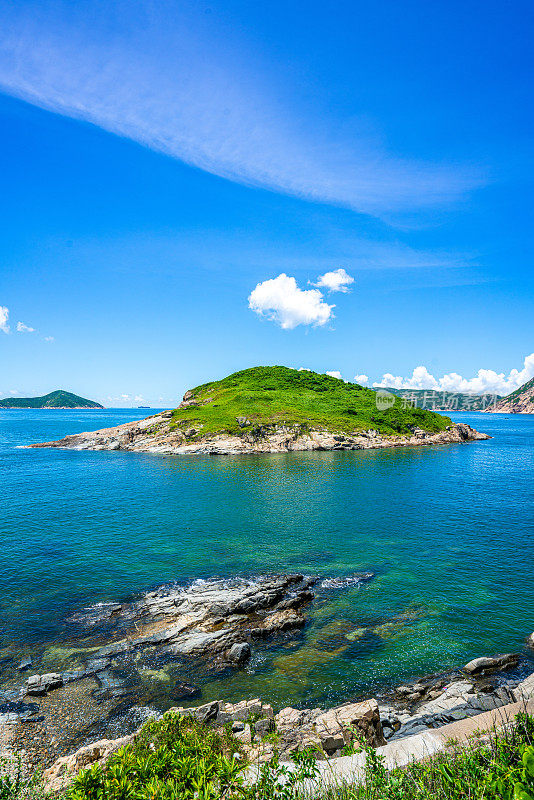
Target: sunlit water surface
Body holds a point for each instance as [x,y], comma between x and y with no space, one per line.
[448,531]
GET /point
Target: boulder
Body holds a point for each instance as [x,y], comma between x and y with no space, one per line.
[232,712]
[484,664]
[239,653]
[244,736]
[59,775]
[41,684]
[289,718]
[530,640]
[340,726]
[263,726]
[207,712]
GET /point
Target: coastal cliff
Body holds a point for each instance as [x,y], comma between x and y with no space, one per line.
[519,402]
[273,410]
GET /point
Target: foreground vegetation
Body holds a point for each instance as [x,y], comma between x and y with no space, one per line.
[279,395]
[177,758]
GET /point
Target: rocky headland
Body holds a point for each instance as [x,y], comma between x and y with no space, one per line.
[519,402]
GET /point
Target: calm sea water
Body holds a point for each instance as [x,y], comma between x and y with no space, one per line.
[449,532]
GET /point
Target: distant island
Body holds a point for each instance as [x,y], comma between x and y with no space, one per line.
[58,399]
[439,400]
[519,402]
[277,409]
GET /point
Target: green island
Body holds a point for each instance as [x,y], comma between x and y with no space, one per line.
[283,396]
[57,399]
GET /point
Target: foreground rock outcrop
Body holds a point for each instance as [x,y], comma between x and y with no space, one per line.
[158,435]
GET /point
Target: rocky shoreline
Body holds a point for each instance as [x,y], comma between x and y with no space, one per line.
[125,656]
[481,685]
[157,434]
[67,719]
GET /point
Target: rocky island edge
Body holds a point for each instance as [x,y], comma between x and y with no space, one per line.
[273,410]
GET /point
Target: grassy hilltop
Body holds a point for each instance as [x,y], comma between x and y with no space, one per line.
[278,395]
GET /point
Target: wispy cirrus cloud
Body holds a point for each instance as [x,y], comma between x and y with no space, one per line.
[161,76]
[23,328]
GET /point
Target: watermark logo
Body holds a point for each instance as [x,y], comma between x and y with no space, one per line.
[384,400]
[434,400]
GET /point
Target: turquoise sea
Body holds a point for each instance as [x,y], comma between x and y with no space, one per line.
[449,532]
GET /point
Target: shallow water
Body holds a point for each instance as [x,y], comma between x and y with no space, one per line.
[449,532]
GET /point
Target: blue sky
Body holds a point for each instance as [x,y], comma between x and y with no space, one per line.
[177,177]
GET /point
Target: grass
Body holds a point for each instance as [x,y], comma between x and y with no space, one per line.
[283,396]
[178,758]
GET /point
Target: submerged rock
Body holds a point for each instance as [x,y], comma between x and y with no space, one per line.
[205,619]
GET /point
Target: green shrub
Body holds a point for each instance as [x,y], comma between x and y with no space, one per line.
[171,759]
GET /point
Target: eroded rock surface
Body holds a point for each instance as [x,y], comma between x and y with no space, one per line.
[208,617]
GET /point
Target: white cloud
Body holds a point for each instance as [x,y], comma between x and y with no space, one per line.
[49,339]
[212,102]
[486,381]
[282,301]
[22,328]
[304,369]
[334,373]
[361,379]
[336,281]
[4,316]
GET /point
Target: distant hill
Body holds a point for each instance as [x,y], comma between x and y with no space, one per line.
[59,399]
[435,400]
[519,402]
